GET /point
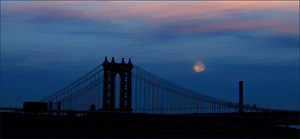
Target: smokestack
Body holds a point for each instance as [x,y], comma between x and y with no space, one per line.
[241,97]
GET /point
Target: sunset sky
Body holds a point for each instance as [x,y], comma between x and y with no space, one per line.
[46,45]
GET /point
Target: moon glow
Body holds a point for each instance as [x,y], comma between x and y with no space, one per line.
[199,67]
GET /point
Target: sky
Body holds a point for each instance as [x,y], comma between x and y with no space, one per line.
[46,45]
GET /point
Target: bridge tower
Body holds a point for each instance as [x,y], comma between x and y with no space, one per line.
[111,69]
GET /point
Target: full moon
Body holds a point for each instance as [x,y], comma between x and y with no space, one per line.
[199,67]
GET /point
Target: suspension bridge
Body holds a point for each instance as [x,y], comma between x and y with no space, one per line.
[126,87]
[128,100]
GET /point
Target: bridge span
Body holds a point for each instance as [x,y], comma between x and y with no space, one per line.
[126,87]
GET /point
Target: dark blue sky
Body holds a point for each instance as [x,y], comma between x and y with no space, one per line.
[47,45]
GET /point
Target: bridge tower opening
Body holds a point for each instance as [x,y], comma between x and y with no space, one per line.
[117,90]
[124,70]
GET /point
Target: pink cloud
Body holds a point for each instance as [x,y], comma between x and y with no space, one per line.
[230,15]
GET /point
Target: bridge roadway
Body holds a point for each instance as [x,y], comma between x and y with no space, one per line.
[116,124]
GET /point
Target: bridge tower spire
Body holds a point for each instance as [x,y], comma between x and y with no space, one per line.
[111,69]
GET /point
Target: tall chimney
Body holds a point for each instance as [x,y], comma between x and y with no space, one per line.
[241,97]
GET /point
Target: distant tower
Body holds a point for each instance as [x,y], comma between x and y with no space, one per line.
[111,69]
[241,97]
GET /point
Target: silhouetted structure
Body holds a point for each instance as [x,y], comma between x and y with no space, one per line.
[241,110]
[59,105]
[35,106]
[179,112]
[50,105]
[141,92]
[111,69]
[93,107]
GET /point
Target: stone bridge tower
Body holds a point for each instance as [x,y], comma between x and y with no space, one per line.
[111,69]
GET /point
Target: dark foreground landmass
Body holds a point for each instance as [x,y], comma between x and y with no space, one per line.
[115,125]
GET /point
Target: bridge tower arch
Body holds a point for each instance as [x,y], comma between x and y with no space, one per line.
[124,70]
